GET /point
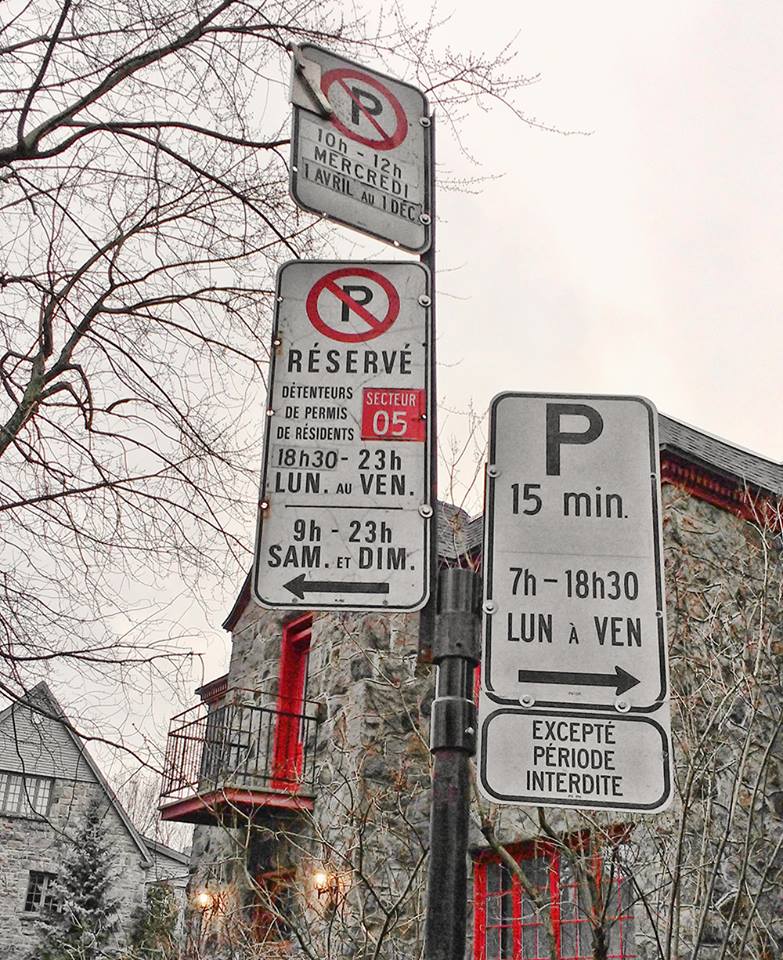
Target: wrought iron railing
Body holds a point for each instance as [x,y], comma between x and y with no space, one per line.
[243,741]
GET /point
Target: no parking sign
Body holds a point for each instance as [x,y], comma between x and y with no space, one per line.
[345,498]
[353,304]
[366,164]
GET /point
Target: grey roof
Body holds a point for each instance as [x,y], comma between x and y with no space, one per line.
[40,700]
[458,534]
[163,850]
[720,456]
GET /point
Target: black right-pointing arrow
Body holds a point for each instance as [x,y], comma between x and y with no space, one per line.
[299,586]
[620,679]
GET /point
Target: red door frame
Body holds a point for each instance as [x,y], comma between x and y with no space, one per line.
[288,749]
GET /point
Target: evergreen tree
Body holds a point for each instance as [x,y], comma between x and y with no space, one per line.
[86,914]
[153,933]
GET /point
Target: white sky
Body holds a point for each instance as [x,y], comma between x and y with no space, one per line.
[644,258]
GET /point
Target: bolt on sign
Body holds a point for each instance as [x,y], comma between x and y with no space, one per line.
[345,489]
[360,148]
[575,691]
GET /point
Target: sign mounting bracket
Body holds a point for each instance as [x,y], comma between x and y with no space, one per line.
[306,84]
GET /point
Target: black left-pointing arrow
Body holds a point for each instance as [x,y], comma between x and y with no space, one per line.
[300,585]
[620,679]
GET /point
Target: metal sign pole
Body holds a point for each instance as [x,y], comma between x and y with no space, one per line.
[450,629]
[455,651]
[329,121]
[450,624]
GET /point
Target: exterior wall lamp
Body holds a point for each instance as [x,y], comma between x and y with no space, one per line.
[329,886]
[210,903]
[203,901]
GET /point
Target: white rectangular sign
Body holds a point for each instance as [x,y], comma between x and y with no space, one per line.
[577,759]
[344,501]
[367,164]
[574,607]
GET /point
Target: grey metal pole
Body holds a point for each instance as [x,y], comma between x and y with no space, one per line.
[427,615]
[449,629]
[455,651]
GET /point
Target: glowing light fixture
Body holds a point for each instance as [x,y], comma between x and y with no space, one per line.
[321,882]
[203,900]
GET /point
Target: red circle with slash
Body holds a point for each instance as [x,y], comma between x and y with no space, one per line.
[375,325]
[385,140]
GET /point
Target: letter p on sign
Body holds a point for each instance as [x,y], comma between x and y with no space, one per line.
[556,437]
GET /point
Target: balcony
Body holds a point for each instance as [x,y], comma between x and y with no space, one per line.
[239,753]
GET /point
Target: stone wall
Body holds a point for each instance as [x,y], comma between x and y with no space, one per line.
[28,844]
[717,856]
[371,809]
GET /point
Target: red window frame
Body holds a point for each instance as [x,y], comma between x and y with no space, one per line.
[269,910]
[288,747]
[505,927]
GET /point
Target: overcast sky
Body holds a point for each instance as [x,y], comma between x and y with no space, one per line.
[645,257]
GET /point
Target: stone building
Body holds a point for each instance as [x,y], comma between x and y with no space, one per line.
[306,768]
[47,781]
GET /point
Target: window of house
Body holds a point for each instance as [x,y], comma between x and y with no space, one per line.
[288,751]
[23,795]
[41,892]
[511,924]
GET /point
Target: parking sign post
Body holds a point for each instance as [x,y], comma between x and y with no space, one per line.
[362,154]
[575,690]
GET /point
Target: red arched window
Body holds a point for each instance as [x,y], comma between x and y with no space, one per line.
[288,749]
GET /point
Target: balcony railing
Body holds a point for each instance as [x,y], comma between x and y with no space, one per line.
[241,749]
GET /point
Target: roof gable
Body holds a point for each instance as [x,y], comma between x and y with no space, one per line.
[37,738]
[34,741]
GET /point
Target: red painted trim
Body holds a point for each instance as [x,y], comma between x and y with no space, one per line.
[261,798]
[553,866]
[209,805]
[516,928]
[213,690]
[528,850]
[288,748]
[479,910]
[598,870]
[712,488]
